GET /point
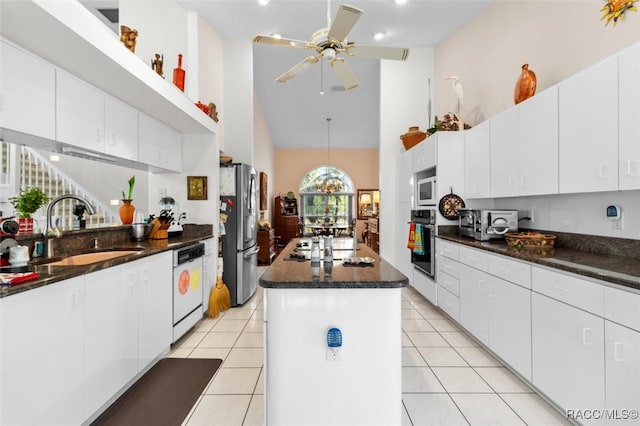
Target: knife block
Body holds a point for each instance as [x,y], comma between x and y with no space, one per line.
[159,231]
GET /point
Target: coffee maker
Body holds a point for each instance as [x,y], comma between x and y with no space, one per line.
[8,229]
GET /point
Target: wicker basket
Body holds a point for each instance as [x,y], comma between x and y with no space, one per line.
[530,240]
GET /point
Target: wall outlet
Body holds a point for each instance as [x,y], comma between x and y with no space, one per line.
[618,224]
[334,354]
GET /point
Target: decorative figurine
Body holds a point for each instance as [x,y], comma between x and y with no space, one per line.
[128,37]
[156,64]
[614,9]
[212,112]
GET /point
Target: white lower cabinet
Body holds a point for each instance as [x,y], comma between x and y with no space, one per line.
[41,355]
[568,348]
[622,368]
[111,334]
[72,346]
[155,304]
[474,303]
[425,286]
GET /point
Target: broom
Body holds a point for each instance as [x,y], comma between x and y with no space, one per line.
[220,298]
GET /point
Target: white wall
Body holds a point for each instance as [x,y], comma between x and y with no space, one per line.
[264,155]
[238,94]
[403,103]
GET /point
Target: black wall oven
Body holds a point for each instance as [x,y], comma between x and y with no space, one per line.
[425,262]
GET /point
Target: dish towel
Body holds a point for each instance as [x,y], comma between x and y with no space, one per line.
[418,247]
[412,233]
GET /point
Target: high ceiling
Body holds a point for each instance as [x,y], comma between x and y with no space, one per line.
[295,111]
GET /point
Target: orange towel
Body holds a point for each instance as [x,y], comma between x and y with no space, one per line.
[412,236]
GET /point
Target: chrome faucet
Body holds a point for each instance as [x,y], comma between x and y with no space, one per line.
[53,231]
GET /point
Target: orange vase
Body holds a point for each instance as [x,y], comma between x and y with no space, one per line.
[525,85]
[178,74]
[126,212]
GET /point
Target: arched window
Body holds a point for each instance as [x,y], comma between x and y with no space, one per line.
[326,197]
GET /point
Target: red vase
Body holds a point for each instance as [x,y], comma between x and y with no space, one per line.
[126,212]
[178,74]
[525,85]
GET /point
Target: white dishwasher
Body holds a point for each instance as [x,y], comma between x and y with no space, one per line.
[187,288]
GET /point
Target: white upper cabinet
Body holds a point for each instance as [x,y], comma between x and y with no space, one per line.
[79,113]
[121,129]
[538,144]
[27,93]
[504,154]
[424,155]
[629,116]
[588,128]
[158,144]
[477,161]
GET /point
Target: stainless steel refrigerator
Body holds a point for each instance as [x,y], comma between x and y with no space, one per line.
[238,202]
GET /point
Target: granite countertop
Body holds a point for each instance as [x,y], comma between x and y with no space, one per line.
[612,268]
[288,273]
[52,274]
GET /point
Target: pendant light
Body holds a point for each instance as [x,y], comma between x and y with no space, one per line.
[329,183]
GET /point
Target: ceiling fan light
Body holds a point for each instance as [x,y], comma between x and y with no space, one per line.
[276,36]
[329,53]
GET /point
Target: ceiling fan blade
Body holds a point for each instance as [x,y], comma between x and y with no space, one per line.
[286,42]
[379,52]
[342,25]
[298,68]
[345,74]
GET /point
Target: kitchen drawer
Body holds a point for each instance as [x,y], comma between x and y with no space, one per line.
[474,258]
[449,282]
[622,307]
[449,303]
[570,289]
[510,270]
[449,266]
[450,250]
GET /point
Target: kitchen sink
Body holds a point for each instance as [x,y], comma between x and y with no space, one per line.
[89,258]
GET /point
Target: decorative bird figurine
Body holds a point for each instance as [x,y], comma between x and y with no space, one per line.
[457,87]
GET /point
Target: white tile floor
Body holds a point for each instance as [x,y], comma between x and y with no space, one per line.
[446,378]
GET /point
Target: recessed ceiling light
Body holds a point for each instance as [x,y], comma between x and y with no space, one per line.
[378,36]
[263,2]
[401,1]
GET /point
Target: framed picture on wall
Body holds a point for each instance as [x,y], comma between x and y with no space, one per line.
[196,187]
[263,191]
[368,200]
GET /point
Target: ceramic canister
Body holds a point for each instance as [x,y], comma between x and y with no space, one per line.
[18,255]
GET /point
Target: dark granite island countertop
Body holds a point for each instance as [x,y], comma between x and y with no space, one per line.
[286,272]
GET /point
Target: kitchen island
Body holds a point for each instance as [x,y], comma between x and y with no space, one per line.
[306,381]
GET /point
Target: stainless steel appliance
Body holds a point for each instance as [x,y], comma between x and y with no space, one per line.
[425,262]
[187,288]
[238,198]
[426,191]
[484,225]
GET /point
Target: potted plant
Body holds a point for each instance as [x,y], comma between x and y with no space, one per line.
[127,209]
[26,204]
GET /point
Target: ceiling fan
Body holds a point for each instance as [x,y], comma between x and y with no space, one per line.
[330,42]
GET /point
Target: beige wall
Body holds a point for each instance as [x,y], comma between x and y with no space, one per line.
[556,38]
[291,165]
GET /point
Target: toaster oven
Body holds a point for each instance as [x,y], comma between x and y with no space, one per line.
[484,225]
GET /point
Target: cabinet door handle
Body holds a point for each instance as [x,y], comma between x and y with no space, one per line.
[524,181]
[632,167]
[602,171]
[562,289]
[586,337]
[492,291]
[511,182]
[74,299]
[617,351]
[145,274]
[480,283]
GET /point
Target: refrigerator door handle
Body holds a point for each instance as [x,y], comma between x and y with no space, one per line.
[252,184]
[251,252]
